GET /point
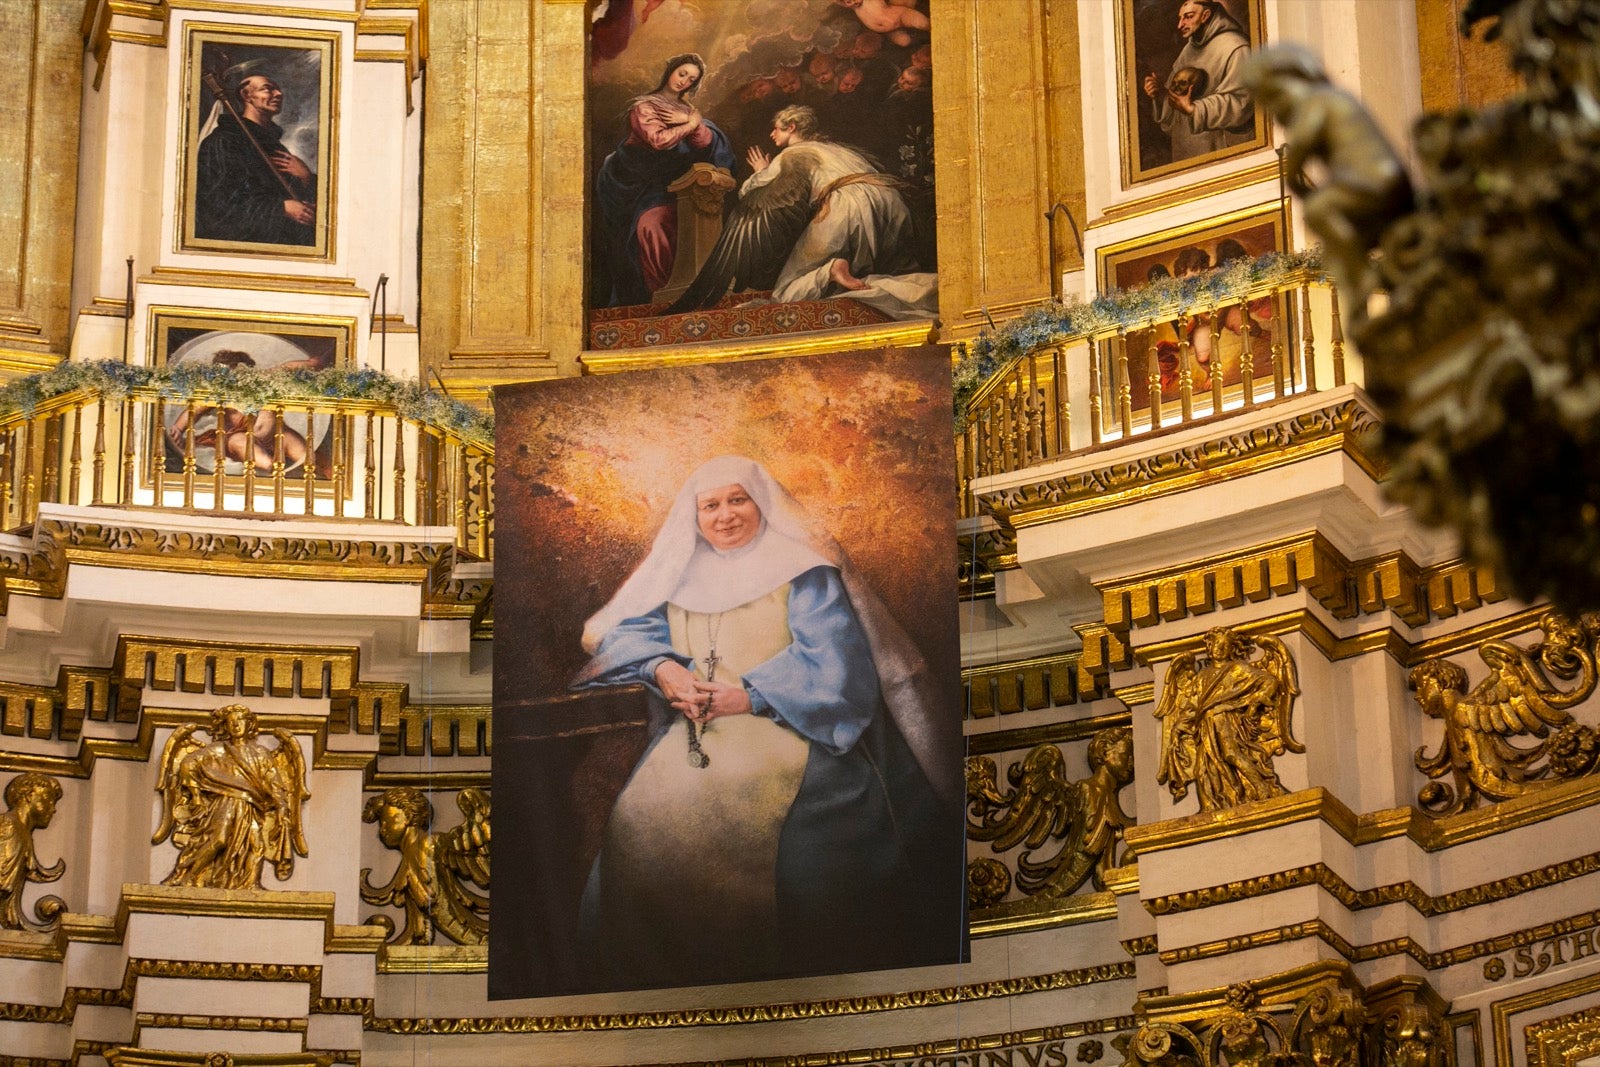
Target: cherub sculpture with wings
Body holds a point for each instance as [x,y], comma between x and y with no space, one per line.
[1223,723]
[1515,700]
[233,804]
[437,874]
[1042,804]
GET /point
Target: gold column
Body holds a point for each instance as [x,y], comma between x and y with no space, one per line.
[1007,131]
[501,238]
[40,88]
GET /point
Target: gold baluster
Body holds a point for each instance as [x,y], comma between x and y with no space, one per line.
[1247,355]
[1096,403]
[1152,376]
[75,456]
[1338,338]
[97,492]
[441,480]
[1124,385]
[1063,402]
[219,459]
[1035,411]
[189,465]
[250,467]
[50,460]
[967,455]
[1214,366]
[1185,371]
[309,465]
[158,452]
[461,495]
[8,455]
[127,452]
[485,473]
[370,488]
[277,460]
[1307,348]
[340,430]
[1280,356]
[399,470]
[420,482]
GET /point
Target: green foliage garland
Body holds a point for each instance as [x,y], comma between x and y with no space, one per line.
[1121,309]
[249,389]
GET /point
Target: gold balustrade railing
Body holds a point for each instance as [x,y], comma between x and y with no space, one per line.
[305,457]
[1098,389]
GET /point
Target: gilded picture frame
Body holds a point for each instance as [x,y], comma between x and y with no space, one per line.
[1178,253]
[1217,118]
[258,148]
[181,337]
[685,245]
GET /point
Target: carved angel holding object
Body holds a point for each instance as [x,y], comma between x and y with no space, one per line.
[437,872]
[233,804]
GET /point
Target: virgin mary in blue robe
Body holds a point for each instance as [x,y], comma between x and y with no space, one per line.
[801,836]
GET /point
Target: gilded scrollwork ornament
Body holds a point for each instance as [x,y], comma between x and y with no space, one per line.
[1485,353]
[231,804]
[1042,805]
[30,805]
[439,874]
[1326,1027]
[1225,714]
[1515,702]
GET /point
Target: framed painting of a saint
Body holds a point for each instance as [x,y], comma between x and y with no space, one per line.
[727,726]
[250,440]
[1183,99]
[258,142]
[1223,342]
[758,169]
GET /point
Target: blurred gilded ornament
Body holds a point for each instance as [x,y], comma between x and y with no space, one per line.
[1516,700]
[1042,805]
[434,880]
[1485,357]
[30,805]
[1223,722]
[233,804]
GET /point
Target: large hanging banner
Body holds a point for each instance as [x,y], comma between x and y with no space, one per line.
[727,719]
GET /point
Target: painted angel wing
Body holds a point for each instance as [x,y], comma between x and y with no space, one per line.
[1510,701]
[757,237]
[180,744]
[1275,660]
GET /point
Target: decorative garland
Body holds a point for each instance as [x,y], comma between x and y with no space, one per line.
[1121,309]
[249,389]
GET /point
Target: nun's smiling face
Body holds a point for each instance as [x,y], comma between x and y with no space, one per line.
[727,517]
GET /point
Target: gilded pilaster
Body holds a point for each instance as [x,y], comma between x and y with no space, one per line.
[39,94]
[488,223]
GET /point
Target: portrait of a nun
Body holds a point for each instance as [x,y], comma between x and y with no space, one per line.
[781,820]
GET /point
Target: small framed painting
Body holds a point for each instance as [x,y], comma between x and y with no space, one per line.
[258,143]
[247,439]
[1218,343]
[1184,103]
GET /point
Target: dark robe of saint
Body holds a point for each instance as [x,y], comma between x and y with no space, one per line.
[238,194]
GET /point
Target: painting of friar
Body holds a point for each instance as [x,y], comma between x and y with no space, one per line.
[759,166]
[258,144]
[1185,101]
[727,731]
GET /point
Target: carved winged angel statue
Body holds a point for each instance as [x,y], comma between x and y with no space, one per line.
[1515,700]
[1223,720]
[232,804]
[1043,804]
[437,872]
